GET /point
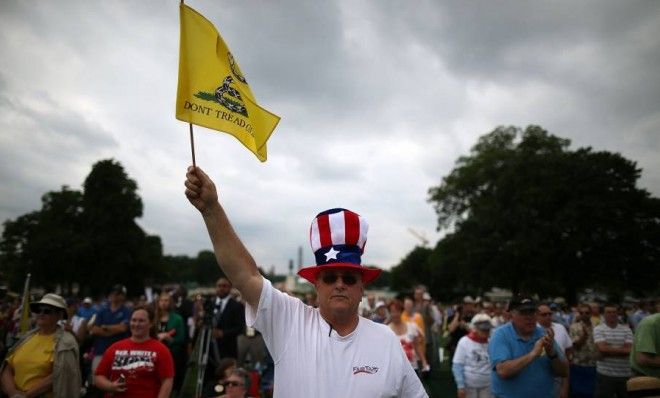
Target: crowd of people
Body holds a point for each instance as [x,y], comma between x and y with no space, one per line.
[334,342]
[128,348]
[118,345]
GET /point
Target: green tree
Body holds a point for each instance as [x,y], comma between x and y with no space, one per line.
[119,250]
[412,270]
[525,212]
[47,243]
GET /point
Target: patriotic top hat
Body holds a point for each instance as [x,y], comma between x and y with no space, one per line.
[337,237]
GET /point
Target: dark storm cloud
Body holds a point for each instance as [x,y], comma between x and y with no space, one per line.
[377,98]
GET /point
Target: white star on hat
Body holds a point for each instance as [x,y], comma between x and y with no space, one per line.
[331,254]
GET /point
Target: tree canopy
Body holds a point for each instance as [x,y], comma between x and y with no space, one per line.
[525,212]
[90,237]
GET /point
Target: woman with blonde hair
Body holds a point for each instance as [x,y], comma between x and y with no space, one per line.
[171,332]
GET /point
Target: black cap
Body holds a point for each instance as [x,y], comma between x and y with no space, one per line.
[118,288]
[522,303]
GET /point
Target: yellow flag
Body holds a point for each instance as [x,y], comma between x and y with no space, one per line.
[212,90]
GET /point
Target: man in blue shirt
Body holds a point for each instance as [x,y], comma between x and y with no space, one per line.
[87,309]
[111,324]
[524,357]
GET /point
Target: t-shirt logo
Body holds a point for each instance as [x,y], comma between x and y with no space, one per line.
[134,359]
[365,369]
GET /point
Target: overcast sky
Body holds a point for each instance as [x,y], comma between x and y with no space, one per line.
[377,99]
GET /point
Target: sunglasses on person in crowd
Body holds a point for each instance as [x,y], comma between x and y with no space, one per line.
[233,384]
[330,277]
[44,311]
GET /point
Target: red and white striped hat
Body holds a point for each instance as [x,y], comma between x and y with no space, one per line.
[337,237]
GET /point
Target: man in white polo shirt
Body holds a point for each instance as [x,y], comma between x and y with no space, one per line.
[329,351]
[614,341]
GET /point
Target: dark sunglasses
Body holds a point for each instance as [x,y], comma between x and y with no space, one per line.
[330,277]
[233,384]
[44,311]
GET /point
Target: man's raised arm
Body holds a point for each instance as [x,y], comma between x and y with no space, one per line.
[231,254]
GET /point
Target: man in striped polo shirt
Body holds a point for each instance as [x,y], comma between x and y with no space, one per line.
[613,341]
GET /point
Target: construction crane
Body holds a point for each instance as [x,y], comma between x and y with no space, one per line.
[419,235]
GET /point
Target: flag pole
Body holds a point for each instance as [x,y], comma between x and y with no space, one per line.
[192,142]
[192,138]
[24,322]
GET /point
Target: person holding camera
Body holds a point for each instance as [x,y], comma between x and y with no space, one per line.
[329,351]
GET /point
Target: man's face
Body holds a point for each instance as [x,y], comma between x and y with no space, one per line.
[584,313]
[418,295]
[544,316]
[524,321]
[116,297]
[611,315]
[339,291]
[222,287]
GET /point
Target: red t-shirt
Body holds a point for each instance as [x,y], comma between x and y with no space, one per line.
[144,366]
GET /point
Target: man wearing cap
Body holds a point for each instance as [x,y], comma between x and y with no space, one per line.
[111,324]
[44,362]
[524,358]
[329,351]
[87,309]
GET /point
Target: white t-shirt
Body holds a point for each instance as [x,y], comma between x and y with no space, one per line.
[311,360]
[475,360]
[561,336]
[407,340]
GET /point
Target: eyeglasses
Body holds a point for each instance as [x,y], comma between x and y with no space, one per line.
[330,277]
[233,384]
[44,311]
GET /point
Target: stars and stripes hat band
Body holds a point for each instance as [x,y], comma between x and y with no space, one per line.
[338,237]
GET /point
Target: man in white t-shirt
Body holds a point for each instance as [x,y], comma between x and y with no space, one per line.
[329,351]
[544,319]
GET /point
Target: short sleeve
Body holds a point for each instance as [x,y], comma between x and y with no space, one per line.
[165,364]
[498,348]
[628,338]
[558,350]
[460,353]
[278,318]
[106,361]
[127,316]
[599,334]
[645,338]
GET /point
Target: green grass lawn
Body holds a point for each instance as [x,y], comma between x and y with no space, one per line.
[440,383]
